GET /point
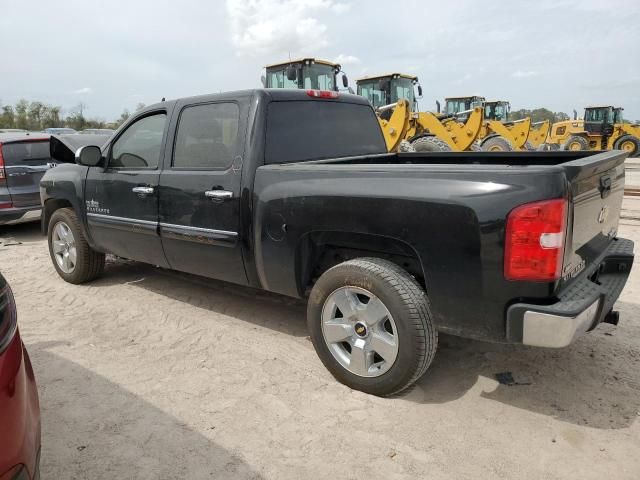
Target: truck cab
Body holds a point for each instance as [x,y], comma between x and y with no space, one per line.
[305,73]
[599,120]
[457,105]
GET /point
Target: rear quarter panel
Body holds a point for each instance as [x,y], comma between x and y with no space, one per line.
[451,217]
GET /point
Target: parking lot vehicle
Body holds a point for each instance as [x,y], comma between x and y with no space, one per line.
[97,131]
[24,157]
[603,128]
[19,407]
[294,192]
[59,131]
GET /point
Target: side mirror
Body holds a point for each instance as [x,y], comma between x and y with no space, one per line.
[263,79]
[437,106]
[89,156]
[419,91]
[345,81]
[291,73]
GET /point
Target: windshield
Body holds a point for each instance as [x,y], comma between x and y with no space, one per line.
[456,105]
[317,76]
[595,115]
[496,111]
[617,116]
[402,88]
[369,89]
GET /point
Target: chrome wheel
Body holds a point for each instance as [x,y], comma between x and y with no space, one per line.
[63,245]
[359,331]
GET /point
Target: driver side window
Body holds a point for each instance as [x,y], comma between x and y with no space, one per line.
[139,145]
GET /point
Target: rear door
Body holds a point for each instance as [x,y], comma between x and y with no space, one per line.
[200,191]
[122,199]
[25,162]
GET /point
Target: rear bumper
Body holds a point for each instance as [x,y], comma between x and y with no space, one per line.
[579,308]
[12,216]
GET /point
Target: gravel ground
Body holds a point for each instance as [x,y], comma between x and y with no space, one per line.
[149,374]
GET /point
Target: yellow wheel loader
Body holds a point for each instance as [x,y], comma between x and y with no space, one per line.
[394,97]
[602,128]
[498,133]
[304,73]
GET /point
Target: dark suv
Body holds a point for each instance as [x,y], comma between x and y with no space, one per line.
[24,158]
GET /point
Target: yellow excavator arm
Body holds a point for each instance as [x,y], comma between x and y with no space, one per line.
[538,133]
[516,132]
[395,128]
[459,136]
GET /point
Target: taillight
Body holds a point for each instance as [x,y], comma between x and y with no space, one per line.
[8,317]
[322,93]
[534,241]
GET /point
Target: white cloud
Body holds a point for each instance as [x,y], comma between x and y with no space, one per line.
[280,27]
[344,60]
[524,73]
[83,91]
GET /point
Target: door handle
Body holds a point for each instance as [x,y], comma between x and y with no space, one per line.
[142,191]
[218,195]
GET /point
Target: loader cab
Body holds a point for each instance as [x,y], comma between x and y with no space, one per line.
[497,110]
[599,121]
[388,89]
[456,105]
[306,73]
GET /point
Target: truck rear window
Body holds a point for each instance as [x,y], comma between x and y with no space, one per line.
[26,153]
[317,129]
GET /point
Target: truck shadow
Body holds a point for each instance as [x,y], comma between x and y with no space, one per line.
[94,428]
[594,382]
[22,232]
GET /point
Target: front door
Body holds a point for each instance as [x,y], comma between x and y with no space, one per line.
[200,192]
[122,199]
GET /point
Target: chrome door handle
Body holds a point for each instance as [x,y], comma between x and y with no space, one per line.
[218,195]
[142,191]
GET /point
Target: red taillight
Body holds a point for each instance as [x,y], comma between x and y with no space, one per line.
[534,241]
[322,93]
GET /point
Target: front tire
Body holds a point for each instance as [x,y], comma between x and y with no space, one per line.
[74,260]
[629,144]
[430,143]
[371,326]
[496,144]
[576,143]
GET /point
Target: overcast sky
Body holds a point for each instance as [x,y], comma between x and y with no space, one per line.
[560,54]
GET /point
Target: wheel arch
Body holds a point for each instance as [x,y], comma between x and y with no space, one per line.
[318,251]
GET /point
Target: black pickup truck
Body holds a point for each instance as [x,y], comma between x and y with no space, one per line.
[293,192]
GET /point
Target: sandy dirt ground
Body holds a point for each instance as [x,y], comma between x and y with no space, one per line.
[148,374]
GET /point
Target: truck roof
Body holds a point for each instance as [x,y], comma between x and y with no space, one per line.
[270,94]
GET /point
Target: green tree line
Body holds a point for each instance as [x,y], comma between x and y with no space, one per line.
[38,115]
[539,115]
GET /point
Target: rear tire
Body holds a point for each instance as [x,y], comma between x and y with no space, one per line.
[497,144]
[430,143]
[576,143]
[629,144]
[74,260]
[371,288]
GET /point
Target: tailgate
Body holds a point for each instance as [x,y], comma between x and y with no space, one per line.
[597,188]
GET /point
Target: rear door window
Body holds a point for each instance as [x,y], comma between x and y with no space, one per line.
[26,153]
[317,129]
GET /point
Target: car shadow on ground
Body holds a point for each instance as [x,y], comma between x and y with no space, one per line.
[595,382]
[20,233]
[94,428]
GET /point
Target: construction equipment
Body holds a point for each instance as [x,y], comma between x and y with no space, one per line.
[393,95]
[498,133]
[304,73]
[602,128]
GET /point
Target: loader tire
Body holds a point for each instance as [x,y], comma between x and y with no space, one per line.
[628,143]
[406,147]
[475,147]
[430,144]
[529,147]
[576,143]
[497,144]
